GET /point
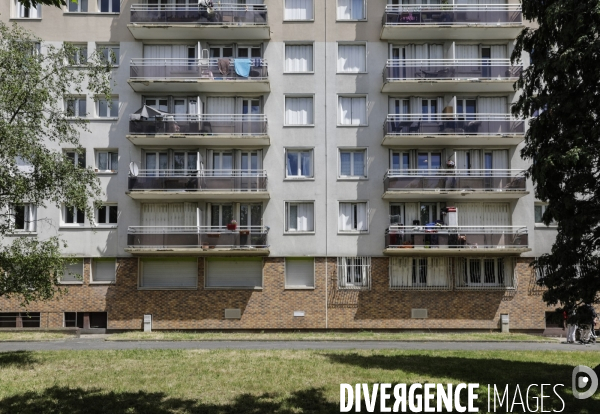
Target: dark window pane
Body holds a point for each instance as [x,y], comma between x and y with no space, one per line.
[80,216]
[69,215]
[102,214]
[113,214]
[20,217]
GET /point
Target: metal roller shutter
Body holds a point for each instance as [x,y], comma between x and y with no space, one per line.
[104,270]
[169,273]
[300,273]
[234,272]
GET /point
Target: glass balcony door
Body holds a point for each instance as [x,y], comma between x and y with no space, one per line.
[185,162]
[157,164]
[220,215]
[250,215]
[251,108]
[222,162]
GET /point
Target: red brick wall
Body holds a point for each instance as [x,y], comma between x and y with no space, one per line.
[272,307]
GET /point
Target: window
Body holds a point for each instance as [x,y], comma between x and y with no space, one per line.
[351,9]
[86,320]
[298,58]
[81,6]
[234,272]
[109,6]
[24,165]
[110,53]
[353,217]
[73,216]
[299,273]
[27,12]
[20,320]
[76,107]
[352,163]
[80,55]
[352,58]
[298,111]
[539,210]
[24,217]
[175,273]
[107,214]
[484,273]
[298,163]
[298,10]
[77,158]
[108,109]
[104,270]
[73,272]
[352,111]
[299,217]
[354,272]
[422,273]
[107,160]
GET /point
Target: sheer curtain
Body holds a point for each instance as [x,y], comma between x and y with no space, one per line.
[298,111]
[492,105]
[345,217]
[467,52]
[298,10]
[351,58]
[298,58]
[498,52]
[353,111]
[350,10]
[220,105]
[302,216]
[401,268]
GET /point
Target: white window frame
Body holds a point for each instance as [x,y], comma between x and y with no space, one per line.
[109,161]
[308,72]
[107,215]
[77,156]
[299,287]
[19,8]
[293,96]
[365,163]
[482,285]
[76,100]
[543,206]
[102,282]
[354,211]
[78,56]
[29,215]
[337,55]
[78,6]
[364,19]
[338,115]
[110,4]
[111,46]
[63,223]
[286,209]
[349,264]
[311,151]
[75,282]
[109,109]
[299,20]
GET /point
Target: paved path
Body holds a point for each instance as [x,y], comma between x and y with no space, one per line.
[80,344]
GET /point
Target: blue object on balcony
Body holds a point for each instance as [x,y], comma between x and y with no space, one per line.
[242,67]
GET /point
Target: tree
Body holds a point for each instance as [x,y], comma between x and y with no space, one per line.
[33,125]
[561,90]
[34,3]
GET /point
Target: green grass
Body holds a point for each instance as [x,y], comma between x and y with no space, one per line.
[32,336]
[284,382]
[326,336]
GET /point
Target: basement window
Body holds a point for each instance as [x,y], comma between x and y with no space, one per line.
[82,319]
[20,320]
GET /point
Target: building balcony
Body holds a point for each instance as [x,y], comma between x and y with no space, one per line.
[178,22]
[450,75]
[452,21]
[453,129]
[196,185]
[444,240]
[198,240]
[454,184]
[206,129]
[199,75]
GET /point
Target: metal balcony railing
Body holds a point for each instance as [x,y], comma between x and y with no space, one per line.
[455,180]
[205,237]
[453,14]
[181,68]
[219,14]
[464,237]
[453,124]
[450,69]
[213,124]
[199,180]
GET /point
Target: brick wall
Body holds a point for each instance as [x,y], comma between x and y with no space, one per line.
[273,306]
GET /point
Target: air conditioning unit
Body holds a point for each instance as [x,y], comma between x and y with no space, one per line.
[418,313]
[233,314]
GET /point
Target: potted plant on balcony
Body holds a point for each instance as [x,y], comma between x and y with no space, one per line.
[232,225]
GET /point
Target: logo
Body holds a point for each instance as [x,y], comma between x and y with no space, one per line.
[584,377]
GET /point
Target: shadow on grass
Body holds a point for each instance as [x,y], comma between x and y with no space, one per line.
[16,359]
[79,401]
[483,371]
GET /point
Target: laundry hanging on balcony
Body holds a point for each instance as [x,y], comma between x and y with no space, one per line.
[242,67]
[223,64]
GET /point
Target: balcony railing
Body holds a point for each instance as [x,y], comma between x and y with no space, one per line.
[156,68]
[452,124]
[213,124]
[200,180]
[450,69]
[219,14]
[205,237]
[455,180]
[453,14]
[463,237]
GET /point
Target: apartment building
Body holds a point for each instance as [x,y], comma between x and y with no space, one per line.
[297,164]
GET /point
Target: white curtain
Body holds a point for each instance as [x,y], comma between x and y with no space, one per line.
[217,105]
[190,214]
[345,217]
[437,271]
[353,111]
[157,51]
[415,104]
[362,218]
[351,58]
[305,217]
[298,111]
[469,214]
[461,160]
[401,271]
[492,105]
[298,10]
[500,160]
[436,51]
[34,12]
[298,58]
[467,51]
[496,214]
[476,163]
[350,10]
[411,211]
[498,52]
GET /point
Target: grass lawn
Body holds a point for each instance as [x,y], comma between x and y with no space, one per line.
[283,382]
[327,336]
[32,336]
